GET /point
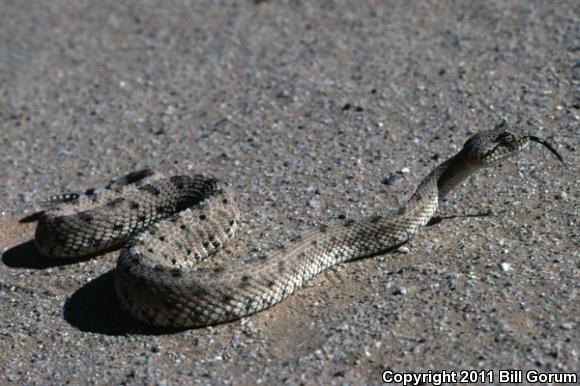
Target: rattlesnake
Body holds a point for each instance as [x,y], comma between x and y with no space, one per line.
[168,224]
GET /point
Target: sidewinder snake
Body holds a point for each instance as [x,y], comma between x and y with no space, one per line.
[167,224]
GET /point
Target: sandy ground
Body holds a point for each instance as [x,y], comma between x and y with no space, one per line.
[311,109]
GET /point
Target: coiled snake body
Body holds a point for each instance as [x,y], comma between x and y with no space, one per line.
[169,224]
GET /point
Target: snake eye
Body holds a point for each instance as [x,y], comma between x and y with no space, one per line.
[505,137]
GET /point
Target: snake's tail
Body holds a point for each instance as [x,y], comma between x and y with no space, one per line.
[122,181]
[59,199]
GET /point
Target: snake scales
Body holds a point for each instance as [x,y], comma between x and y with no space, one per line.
[168,224]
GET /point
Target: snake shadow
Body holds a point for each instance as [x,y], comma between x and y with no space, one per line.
[95,308]
[26,255]
[437,219]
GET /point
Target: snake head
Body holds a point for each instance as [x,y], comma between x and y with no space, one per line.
[487,148]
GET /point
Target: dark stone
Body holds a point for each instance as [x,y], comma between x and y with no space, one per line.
[390,180]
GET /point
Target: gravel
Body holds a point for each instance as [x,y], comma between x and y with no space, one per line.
[313,111]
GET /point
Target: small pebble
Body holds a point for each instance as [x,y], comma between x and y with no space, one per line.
[12,377]
[567,326]
[405,170]
[506,267]
[400,291]
[562,195]
[403,249]
[343,326]
[390,180]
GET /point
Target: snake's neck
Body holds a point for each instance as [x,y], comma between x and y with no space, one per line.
[452,172]
[437,184]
